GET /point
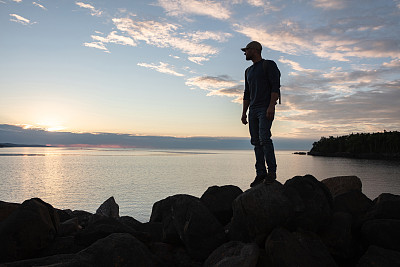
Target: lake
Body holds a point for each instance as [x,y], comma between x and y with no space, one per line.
[84,178]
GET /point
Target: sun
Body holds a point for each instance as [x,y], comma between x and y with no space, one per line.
[50,125]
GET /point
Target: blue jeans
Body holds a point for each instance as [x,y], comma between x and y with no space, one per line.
[260,133]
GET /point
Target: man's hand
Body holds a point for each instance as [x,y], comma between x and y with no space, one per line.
[271,112]
[244,119]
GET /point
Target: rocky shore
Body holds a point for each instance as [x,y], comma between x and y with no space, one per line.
[303,222]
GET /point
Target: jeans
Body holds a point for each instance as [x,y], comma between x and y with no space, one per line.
[260,133]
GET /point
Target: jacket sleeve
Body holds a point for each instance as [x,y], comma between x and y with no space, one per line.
[246,95]
[274,76]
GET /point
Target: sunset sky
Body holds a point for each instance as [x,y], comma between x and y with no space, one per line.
[174,67]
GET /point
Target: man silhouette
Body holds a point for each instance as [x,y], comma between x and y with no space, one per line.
[262,90]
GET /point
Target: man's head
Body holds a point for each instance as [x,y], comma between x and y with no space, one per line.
[252,50]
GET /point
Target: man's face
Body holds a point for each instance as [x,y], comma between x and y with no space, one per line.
[249,52]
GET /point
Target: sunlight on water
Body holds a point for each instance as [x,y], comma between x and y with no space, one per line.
[85,178]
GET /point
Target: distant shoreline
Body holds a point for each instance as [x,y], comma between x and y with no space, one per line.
[2,145]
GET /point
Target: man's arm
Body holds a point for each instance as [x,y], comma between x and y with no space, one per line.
[271,107]
[246,104]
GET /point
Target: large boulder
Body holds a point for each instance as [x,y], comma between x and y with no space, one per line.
[383,233]
[172,255]
[284,248]
[234,254]
[338,237]
[376,256]
[109,208]
[218,199]
[6,208]
[312,203]
[342,184]
[258,211]
[196,227]
[385,206]
[30,228]
[353,202]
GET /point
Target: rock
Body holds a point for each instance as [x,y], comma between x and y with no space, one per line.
[70,227]
[173,255]
[258,211]
[384,233]
[218,199]
[118,249]
[65,215]
[83,217]
[100,227]
[338,237]
[30,228]
[312,203]
[342,184]
[353,202]
[234,254]
[6,209]
[196,226]
[154,230]
[109,208]
[385,206]
[297,249]
[376,256]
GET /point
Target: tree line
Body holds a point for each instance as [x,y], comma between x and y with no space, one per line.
[386,143]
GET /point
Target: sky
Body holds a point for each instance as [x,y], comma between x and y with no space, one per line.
[174,67]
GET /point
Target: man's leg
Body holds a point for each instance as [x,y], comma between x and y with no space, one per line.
[267,144]
[255,141]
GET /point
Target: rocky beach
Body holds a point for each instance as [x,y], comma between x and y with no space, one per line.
[303,222]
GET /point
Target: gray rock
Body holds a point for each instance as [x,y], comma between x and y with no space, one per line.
[384,233]
[379,257]
[297,249]
[342,184]
[109,208]
[234,254]
[312,203]
[258,211]
[353,202]
[27,230]
[218,199]
[385,206]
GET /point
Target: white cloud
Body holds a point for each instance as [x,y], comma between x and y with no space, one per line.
[198,60]
[94,11]
[207,35]
[97,45]
[39,5]
[18,1]
[163,35]
[194,7]
[162,67]
[330,4]
[20,19]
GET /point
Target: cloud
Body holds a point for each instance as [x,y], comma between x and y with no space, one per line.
[219,85]
[20,19]
[181,8]
[198,60]
[94,11]
[113,37]
[162,67]
[39,5]
[18,1]
[165,35]
[97,45]
[330,4]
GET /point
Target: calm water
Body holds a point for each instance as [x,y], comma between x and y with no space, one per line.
[84,178]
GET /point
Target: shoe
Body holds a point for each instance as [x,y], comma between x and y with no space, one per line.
[270,178]
[258,180]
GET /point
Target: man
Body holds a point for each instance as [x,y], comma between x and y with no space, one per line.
[262,90]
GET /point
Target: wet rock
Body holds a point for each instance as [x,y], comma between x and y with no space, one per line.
[312,203]
[376,256]
[384,233]
[30,228]
[258,211]
[234,254]
[342,184]
[218,199]
[297,249]
[195,225]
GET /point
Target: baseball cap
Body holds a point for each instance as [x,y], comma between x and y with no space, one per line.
[253,44]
